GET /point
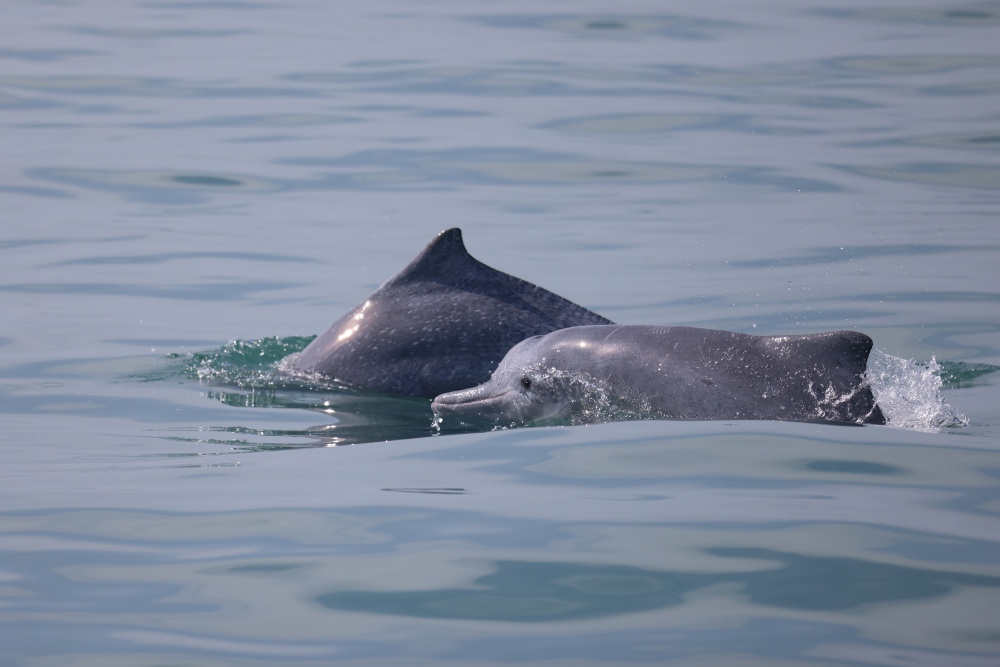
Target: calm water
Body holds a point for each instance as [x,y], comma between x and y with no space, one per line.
[191,190]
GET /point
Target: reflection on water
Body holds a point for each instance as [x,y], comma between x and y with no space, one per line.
[553,591]
[156,186]
[671,547]
[980,17]
[531,591]
[937,173]
[616,26]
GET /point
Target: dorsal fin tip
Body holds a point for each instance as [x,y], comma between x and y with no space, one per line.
[448,242]
[444,248]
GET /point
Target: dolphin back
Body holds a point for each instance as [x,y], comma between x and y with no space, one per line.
[831,366]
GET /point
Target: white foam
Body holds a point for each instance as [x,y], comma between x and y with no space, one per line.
[909,393]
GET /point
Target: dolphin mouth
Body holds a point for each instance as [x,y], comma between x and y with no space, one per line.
[470,402]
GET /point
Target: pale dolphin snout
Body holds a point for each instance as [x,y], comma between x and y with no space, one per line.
[475,402]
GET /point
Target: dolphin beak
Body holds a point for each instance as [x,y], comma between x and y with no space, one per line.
[457,402]
[475,402]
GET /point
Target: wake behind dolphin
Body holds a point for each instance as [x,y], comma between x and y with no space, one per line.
[579,373]
[442,323]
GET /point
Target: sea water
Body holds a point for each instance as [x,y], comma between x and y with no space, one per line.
[192,190]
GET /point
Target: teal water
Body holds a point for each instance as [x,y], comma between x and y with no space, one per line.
[193,190]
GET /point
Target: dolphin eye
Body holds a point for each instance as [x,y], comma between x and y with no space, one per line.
[526,382]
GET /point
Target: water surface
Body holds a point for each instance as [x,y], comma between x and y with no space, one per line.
[192,190]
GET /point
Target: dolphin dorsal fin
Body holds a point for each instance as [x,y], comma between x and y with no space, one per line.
[445,265]
[444,257]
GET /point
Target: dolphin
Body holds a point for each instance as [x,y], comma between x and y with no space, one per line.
[592,374]
[442,323]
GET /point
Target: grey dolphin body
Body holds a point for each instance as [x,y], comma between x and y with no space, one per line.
[593,373]
[441,324]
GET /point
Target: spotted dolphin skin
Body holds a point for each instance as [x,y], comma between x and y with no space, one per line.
[592,374]
[442,323]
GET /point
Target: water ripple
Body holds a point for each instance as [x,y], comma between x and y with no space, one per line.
[982,16]
[849,253]
[161,186]
[229,290]
[616,26]
[950,174]
[45,55]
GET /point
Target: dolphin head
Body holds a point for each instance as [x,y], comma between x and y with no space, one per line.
[540,380]
[521,391]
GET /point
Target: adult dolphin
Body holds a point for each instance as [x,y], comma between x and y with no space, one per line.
[593,374]
[442,323]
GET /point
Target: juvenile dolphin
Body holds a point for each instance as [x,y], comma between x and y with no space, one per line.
[591,374]
[442,323]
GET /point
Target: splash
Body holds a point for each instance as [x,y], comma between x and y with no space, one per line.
[591,401]
[265,363]
[261,373]
[584,399]
[909,392]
